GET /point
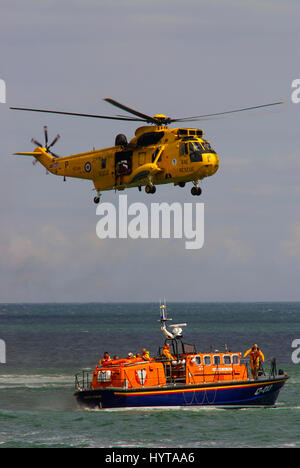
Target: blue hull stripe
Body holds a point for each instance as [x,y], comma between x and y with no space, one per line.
[239,394]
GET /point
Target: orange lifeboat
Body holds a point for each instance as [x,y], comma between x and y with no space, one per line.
[181,377]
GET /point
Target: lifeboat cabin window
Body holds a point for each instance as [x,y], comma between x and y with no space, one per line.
[235,359]
[198,360]
[217,360]
[227,360]
[207,360]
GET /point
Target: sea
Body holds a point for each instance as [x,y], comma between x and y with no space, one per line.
[45,345]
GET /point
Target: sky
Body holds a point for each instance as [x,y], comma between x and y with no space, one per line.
[171,57]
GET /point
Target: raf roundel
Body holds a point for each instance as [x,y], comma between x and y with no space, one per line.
[87,167]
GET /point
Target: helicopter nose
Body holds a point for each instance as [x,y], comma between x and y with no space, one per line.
[214,161]
[211,162]
[210,159]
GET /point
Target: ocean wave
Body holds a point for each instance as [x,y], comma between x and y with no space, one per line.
[35,381]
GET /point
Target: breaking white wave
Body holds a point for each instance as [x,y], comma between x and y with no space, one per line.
[35,381]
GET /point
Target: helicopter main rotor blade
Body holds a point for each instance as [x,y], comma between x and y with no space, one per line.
[195,118]
[77,114]
[37,143]
[54,141]
[46,135]
[145,117]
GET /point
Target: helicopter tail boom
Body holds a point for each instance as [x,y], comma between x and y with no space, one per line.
[28,153]
[40,154]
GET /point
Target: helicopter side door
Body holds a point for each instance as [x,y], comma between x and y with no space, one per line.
[123,165]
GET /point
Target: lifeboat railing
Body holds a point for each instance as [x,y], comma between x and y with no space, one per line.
[264,370]
[176,375]
[83,380]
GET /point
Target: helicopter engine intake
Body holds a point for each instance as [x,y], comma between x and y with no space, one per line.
[121,140]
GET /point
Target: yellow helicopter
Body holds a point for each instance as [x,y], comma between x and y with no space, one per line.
[155,155]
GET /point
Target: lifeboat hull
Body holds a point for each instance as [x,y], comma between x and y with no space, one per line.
[262,392]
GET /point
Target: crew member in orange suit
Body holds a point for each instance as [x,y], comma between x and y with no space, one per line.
[167,353]
[255,356]
[145,355]
[106,358]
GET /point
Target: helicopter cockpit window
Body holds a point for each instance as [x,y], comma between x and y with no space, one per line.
[195,150]
[207,147]
[154,155]
[182,150]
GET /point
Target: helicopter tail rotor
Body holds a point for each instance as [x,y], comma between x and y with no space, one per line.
[46,145]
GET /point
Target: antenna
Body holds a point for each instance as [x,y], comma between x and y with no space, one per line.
[163,311]
[176,328]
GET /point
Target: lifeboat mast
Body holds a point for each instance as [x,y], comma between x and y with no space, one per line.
[176,334]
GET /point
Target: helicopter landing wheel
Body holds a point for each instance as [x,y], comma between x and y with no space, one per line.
[196,191]
[150,188]
[181,184]
[96,200]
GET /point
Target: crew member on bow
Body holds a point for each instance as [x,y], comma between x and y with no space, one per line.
[255,356]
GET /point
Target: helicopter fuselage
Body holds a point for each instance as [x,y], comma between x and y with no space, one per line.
[156,155]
